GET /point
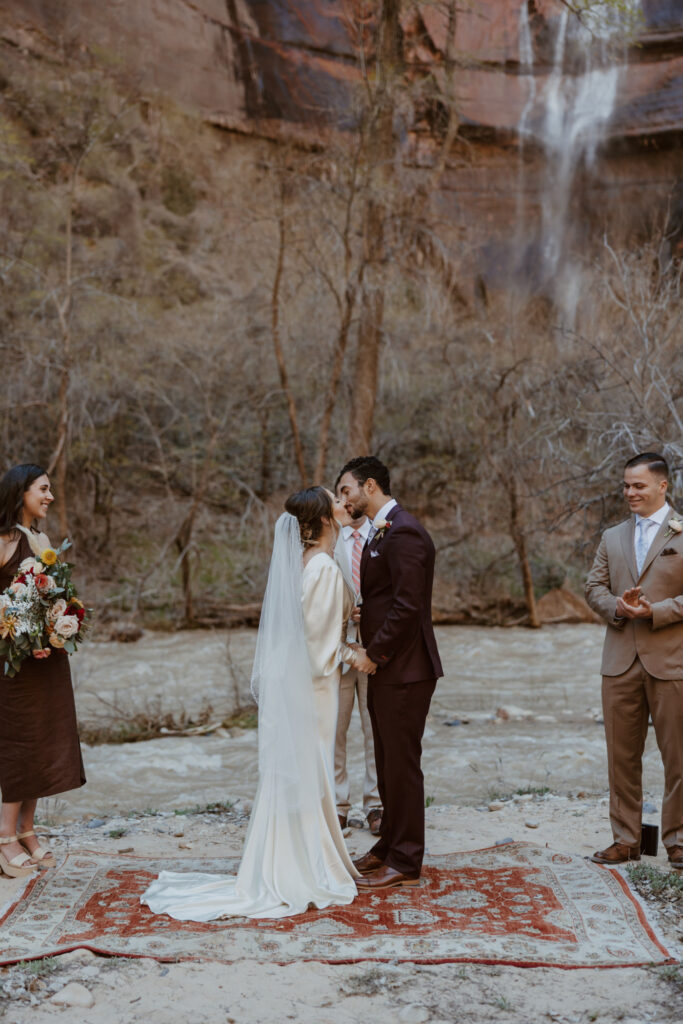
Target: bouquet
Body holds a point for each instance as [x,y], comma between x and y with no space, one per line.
[40,609]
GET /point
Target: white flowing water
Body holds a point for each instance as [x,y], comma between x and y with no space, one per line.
[516,708]
[568,115]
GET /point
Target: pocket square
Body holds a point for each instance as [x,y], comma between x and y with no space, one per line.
[374,554]
[669,551]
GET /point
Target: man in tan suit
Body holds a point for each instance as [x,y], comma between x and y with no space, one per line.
[636,585]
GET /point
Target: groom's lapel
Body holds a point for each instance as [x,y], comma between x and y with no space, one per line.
[374,543]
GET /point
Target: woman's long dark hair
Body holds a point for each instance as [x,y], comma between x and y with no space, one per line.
[13,486]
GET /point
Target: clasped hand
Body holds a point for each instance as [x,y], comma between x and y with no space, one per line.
[633,605]
[361,662]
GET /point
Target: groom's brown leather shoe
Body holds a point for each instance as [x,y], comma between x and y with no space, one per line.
[676,857]
[617,853]
[384,878]
[367,863]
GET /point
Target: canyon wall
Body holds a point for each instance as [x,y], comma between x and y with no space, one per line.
[285,69]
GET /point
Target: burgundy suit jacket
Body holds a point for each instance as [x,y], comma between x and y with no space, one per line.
[396,577]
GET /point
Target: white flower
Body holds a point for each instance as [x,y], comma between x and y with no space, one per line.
[66,626]
[57,609]
[5,601]
[676,525]
[31,564]
[18,589]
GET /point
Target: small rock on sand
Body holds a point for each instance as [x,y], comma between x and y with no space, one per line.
[532,823]
[496,805]
[413,1014]
[73,994]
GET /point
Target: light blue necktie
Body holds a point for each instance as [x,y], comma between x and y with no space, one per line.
[642,543]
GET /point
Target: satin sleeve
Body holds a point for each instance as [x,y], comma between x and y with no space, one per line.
[325,601]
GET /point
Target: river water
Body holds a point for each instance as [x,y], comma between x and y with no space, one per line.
[528,704]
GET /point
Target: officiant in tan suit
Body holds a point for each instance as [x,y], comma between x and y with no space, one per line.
[354,686]
[636,585]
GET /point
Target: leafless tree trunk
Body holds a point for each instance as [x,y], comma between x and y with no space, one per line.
[277,344]
[63,303]
[183,539]
[518,535]
[381,155]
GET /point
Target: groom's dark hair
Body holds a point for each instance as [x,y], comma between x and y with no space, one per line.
[655,462]
[367,467]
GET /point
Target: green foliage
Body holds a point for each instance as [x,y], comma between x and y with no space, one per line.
[658,881]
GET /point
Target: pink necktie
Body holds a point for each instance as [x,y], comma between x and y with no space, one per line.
[355,559]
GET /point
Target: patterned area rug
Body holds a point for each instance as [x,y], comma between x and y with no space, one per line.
[513,904]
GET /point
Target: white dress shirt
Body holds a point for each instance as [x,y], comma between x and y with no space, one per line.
[346,545]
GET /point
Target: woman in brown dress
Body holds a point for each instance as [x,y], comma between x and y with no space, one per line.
[40,754]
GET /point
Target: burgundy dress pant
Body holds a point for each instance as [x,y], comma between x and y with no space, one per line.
[398,712]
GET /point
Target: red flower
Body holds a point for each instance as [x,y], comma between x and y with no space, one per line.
[42,581]
[75,610]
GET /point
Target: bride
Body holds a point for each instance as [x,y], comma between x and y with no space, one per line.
[294,853]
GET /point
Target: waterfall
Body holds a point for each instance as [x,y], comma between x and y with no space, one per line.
[567,116]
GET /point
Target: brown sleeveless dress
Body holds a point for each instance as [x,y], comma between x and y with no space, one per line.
[40,754]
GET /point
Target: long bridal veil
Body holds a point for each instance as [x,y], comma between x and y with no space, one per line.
[282,684]
[289,860]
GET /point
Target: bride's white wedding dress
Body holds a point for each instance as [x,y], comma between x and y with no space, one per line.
[294,853]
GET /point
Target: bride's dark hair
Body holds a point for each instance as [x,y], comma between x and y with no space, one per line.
[310,507]
[13,485]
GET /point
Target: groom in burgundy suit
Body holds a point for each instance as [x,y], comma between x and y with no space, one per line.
[402,662]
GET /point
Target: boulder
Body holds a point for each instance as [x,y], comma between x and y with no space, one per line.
[563,605]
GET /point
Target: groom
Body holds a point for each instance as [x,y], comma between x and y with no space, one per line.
[636,585]
[402,662]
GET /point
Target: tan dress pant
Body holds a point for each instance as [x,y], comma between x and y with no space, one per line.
[628,700]
[354,683]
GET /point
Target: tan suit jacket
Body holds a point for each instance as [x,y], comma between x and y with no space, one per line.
[658,641]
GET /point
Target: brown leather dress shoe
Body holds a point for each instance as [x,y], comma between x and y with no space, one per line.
[384,878]
[617,853]
[676,857]
[342,821]
[375,820]
[367,863]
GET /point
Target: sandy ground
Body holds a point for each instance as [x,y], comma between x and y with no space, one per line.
[552,737]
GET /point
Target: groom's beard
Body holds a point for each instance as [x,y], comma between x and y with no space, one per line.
[358,508]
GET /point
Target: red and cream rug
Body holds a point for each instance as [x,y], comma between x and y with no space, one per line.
[514,904]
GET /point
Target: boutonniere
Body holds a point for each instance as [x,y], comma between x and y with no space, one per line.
[381,528]
[674,526]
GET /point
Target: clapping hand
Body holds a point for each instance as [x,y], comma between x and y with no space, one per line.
[633,605]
